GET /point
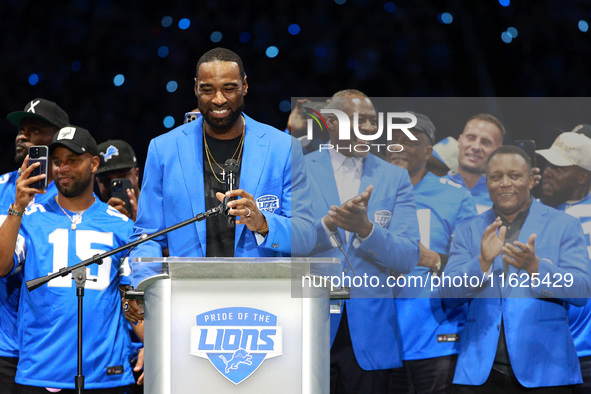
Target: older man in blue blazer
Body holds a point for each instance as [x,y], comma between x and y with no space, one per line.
[366,206]
[521,264]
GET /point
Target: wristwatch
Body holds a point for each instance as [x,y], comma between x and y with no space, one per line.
[264,231]
[14,212]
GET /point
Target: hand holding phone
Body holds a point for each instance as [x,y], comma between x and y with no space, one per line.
[119,188]
[38,154]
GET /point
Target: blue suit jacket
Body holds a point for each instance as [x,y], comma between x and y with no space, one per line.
[535,318]
[393,245]
[272,168]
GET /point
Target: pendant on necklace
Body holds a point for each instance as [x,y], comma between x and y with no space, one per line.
[76,220]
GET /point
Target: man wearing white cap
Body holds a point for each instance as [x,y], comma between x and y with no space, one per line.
[565,186]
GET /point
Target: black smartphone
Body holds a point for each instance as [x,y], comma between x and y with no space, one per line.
[529,147]
[119,188]
[38,154]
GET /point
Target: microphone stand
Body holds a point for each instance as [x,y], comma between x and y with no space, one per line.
[79,275]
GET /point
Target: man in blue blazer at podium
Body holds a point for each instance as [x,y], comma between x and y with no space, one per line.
[522,263]
[185,176]
[366,206]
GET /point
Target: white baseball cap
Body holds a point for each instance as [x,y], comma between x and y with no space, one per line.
[569,149]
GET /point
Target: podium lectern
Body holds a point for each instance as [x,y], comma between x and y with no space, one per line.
[235,325]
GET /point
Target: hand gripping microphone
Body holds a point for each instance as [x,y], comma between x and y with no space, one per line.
[231,171]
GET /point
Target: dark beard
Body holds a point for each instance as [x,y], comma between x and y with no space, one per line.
[76,188]
[557,198]
[225,123]
[19,160]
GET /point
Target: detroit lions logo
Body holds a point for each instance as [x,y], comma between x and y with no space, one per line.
[268,203]
[239,357]
[109,153]
[382,218]
[236,340]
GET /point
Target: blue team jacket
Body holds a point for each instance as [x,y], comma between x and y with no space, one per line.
[393,245]
[272,170]
[539,341]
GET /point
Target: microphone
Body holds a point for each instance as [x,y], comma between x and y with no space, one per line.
[231,171]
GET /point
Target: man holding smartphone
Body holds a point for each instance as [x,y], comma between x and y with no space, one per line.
[118,176]
[36,125]
[61,232]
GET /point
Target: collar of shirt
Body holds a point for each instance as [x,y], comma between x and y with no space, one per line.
[339,160]
[517,223]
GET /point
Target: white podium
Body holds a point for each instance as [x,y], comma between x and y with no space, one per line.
[235,325]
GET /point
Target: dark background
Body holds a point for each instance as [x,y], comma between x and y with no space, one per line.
[386,49]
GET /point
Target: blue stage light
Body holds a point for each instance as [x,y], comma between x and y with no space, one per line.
[285,106]
[320,52]
[184,24]
[513,32]
[33,79]
[166,21]
[294,29]
[244,37]
[272,51]
[445,17]
[389,7]
[216,36]
[172,86]
[118,80]
[168,121]
[163,51]
[76,65]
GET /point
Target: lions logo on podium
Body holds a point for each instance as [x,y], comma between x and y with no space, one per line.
[236,340]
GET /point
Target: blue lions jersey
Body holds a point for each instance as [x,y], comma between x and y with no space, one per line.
[47,329]
[580,317]
[426,329]
[10,285]
[8,188]
[479,191]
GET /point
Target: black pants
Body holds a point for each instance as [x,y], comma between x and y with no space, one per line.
[427,376]
[41,390]
[501,383]
[346,376]
[7,374]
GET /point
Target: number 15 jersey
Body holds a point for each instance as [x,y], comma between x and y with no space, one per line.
[47,316]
